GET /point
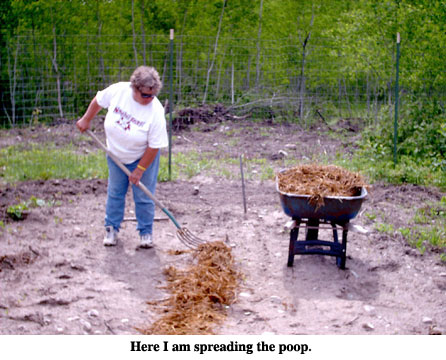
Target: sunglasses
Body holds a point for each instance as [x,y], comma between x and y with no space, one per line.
[146,96]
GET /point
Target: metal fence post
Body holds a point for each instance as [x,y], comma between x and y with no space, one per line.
[395,124]
[170,101]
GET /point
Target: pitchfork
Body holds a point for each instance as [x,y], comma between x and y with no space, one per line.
[183,234]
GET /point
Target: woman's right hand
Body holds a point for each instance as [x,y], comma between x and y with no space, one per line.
[83,124]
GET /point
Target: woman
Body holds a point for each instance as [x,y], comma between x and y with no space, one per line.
[135,128]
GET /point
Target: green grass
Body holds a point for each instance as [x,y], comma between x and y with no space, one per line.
[429,228]
[370,215]
[46,161]
[193,163]
[385,228]
[216,164]
[265,132]
[406,171]
[163,173]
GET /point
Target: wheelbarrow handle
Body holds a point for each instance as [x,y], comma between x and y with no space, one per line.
[128,173]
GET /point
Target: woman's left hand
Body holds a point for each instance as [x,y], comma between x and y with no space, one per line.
[135,176]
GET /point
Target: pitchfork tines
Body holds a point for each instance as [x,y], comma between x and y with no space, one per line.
[189,239]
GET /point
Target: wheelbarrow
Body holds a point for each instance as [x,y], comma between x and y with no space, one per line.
[335,212]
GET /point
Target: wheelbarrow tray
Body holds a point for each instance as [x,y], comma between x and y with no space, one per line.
[335,208]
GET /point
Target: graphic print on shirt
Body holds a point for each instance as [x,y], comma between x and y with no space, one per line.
[125,124]
[126,119]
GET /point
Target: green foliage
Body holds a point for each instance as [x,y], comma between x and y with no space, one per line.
[18,211]
[343,49]
[163,173]
[429,228]
[420,134]
[421,147]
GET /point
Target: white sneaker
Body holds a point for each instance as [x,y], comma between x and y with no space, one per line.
[111,236]
[146,241]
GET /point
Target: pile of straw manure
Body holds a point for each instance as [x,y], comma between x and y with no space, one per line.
[320,181]
[199,294]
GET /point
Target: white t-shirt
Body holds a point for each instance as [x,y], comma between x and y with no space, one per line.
[129,126]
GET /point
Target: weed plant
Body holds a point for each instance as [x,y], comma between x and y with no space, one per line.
[19,211]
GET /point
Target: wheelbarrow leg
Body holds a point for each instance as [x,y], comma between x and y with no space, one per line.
[344,246]
[313,232]
[340,260]
[294,233]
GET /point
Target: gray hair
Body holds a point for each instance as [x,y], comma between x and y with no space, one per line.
[146,77]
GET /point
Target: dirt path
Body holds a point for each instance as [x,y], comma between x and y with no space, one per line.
[57,278]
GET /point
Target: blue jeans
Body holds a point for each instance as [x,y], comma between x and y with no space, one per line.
[118,183]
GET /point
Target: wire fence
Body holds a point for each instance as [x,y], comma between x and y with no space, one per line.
[48,78]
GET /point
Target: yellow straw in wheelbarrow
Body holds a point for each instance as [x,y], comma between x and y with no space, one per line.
[319,181]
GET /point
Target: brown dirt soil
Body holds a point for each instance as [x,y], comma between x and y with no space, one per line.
[56,277]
